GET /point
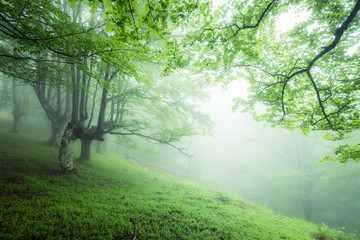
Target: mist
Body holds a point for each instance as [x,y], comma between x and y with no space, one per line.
[192,120]
[274,167]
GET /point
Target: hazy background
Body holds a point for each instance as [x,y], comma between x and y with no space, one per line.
[272,167]
[276,168]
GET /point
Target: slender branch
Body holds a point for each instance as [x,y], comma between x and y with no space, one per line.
[237,26]
[338,34]
[66,35]
[319,99]
[333,113]
[33,59]
[22,35]
[132,15]
[286,82]
[261,69]
[163,141]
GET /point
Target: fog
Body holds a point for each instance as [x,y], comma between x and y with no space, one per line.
[273,167]
[123,98]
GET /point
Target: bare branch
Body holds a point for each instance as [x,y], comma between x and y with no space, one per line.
[159,140]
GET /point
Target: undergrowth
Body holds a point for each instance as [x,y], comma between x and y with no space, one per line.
[115,198]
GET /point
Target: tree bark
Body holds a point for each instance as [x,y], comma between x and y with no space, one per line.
[101,119]
[82,111]
[16,121]
[19,108]
[85,149]
[66,149]
[4,93]
[99,146]
[56,129]
[75,81]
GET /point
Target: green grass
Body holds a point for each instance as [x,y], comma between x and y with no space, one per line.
[115,198]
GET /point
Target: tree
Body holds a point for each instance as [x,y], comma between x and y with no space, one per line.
[161,113]
[5,95]
[37,37]
[306,78]
[54,99]
[124,57]
[20,105]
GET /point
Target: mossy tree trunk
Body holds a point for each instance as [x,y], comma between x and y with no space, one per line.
[66,149]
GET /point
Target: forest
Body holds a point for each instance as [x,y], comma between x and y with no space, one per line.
[192,119]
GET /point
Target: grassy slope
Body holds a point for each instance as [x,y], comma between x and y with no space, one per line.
[114,198]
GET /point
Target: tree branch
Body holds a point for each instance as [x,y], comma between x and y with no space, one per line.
[33,59]
[235,25]
[162,141]
[338,34]
[132,15]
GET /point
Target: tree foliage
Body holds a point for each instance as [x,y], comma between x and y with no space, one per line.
[306,77]
[101,51]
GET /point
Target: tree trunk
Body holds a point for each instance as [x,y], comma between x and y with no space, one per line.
[83,94]
[16,121]
[16,109]
[85,149]
[75,81]
[99,146]
[56,129]
[4,93]
[66,149]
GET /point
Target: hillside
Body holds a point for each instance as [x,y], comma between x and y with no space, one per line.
[115,198]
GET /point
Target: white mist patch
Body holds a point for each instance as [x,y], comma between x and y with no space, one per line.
[237,89]
[288,20]
[222,97]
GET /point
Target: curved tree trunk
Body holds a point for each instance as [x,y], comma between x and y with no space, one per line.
[85,149]
[66,149]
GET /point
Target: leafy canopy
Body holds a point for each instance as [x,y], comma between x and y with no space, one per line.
[306,77]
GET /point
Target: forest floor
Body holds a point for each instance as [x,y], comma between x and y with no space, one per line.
[115,198]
